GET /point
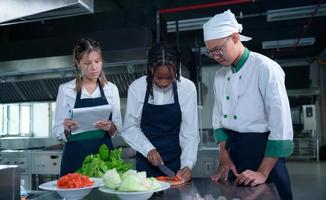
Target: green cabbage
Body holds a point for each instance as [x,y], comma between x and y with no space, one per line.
[133,181]
[112,179]
[155,184]
[129,172]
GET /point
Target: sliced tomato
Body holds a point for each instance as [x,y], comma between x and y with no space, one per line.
[166,178]
[74,180]
[162,178]
[176,178]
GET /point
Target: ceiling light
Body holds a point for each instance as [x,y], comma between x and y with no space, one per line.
[295,62]
[295,12]
[276,44]
[187,24]
[197,23]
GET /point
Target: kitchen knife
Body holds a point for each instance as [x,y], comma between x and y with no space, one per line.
[166,170]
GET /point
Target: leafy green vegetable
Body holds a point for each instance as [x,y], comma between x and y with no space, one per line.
[104,152]
[95,165]
[115,161]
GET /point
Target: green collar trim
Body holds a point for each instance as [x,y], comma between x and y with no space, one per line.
[236,67]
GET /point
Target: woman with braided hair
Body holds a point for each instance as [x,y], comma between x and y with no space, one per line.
[161,116]
[90,88]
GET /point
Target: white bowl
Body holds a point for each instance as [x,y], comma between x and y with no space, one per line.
[72,194]
[144,196]
[135,195]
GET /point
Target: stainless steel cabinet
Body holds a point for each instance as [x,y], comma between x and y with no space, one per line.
[207,163]
[23,160]
[45,166]
[46,162]
[37,162]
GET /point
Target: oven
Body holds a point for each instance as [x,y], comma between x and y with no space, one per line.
[45,166]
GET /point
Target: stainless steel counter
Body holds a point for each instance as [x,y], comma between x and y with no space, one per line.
[198,188]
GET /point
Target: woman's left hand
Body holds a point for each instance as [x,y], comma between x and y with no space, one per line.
[107,126]
[184,173]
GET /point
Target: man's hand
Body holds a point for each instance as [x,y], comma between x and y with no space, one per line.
[252,178]
[224,167]
[184,173]
[154,157]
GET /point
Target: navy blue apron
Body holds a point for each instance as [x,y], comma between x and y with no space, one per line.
[247,152]
[75,151]
[161,125]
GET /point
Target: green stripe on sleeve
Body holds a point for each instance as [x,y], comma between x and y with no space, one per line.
[220,135]
[279,148]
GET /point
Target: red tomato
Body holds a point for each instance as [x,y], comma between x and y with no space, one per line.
[74,180]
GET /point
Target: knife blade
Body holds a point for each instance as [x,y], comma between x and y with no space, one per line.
[167,171]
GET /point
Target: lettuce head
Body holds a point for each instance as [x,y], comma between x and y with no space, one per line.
[112,179]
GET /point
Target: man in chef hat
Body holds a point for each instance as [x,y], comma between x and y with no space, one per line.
[251,114]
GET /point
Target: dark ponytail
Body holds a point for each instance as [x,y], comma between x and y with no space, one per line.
[161,54]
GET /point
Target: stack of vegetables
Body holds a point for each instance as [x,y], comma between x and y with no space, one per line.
[95,165]
[130,181]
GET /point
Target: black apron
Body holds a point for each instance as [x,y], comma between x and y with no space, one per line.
[247,151]
[161,125]
[77,148]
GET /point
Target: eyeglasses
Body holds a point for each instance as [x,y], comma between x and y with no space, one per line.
[218,52]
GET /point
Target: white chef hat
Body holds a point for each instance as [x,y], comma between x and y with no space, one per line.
[222,25]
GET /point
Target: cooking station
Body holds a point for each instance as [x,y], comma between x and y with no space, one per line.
[196,189]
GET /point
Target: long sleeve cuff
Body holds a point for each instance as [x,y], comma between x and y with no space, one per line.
[62,135]
[279,148]
[115,133]
[188,163]
[220,135]
[146,148]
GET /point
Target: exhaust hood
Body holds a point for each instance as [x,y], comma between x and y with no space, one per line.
[38,79]
[22,11]
[37,76]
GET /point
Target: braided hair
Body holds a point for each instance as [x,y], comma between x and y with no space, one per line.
[161,54]
[81,48]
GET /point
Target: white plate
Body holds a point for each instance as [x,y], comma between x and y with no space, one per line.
[135,195]
[73,193]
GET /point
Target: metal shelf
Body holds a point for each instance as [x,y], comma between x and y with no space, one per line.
[305,148]
[303,92]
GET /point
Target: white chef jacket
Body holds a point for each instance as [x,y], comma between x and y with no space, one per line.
[66,101]
[254,99]
[189,135]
